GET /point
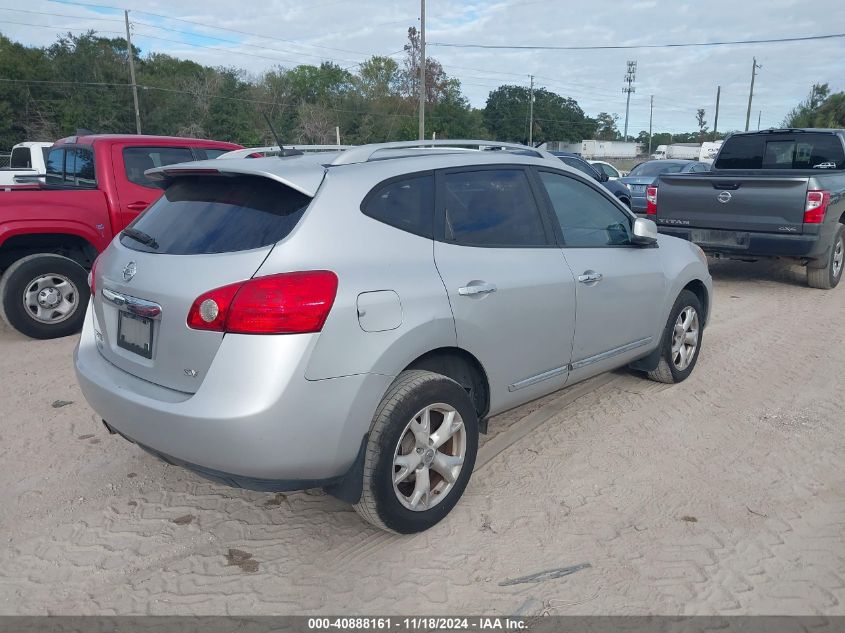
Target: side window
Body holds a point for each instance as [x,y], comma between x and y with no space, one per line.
[492,207]
[406,204]
[581,166]
[55,167]
[610,171]
[79,168]
[21,158]
[137,160]
[586,217]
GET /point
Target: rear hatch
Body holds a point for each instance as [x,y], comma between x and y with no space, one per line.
[733,202]
[205,232]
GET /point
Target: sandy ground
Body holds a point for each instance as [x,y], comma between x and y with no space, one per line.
[725,494]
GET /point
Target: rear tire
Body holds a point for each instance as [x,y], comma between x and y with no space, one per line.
[829,275]
[680,343]
[44,296]
[403,488]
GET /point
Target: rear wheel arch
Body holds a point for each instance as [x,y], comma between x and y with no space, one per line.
[462,367]
[67,245]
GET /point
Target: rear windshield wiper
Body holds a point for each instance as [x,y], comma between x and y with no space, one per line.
[140,236]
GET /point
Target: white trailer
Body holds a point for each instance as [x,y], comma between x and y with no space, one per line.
[709,150]
[593,149]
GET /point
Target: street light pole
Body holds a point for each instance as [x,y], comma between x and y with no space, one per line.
[422,70]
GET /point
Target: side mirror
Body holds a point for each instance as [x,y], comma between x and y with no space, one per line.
[603,177]
[645,232]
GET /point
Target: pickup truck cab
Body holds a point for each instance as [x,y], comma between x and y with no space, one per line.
[26,162]
[774,193]
[51,232]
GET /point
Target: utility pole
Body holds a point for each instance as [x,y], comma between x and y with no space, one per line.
[630,76]
[132,73]
[650,113]
[716,119]
[759,114]
[754,67]
[531,113]
[422,70]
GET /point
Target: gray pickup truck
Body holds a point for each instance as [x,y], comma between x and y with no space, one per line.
[774,193]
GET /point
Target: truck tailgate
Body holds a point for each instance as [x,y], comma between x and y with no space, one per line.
[733,203]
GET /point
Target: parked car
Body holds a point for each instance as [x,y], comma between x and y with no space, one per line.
[616,187]
[50,233]
[609,170]
[344,321]
[27,162]
[775,193]
[645,174]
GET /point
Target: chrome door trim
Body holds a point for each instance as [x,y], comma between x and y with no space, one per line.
[610,353]
[533,380]
[140,307]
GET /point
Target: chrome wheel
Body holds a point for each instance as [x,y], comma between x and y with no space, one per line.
[685,338]
[838,257]
[429,456]
[50,298]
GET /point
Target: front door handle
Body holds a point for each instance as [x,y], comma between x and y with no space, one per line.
[476,289]
[589,277]
[137,206]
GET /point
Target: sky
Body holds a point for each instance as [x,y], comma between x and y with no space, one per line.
[258,36]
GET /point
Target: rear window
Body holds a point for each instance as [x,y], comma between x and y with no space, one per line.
[782,151]
[656,168]
[72,167]
[21,158]
[217,214]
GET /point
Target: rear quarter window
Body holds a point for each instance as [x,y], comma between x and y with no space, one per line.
[219,214]
[405,203]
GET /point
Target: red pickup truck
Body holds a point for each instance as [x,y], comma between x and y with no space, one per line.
[51,233]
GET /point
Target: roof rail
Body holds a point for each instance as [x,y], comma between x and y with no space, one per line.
[275,149]
[363,153]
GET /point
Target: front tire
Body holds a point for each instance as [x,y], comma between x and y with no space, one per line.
[681,340]
[828,276]
[44,296]
[420,453]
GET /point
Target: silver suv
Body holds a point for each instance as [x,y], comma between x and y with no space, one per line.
[345,320]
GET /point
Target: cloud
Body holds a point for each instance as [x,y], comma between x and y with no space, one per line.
[287,32]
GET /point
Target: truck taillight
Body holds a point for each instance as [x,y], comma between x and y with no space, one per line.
[816,206]
[651,200]
[91,282]
[287,303]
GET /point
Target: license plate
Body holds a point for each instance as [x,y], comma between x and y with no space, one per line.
[720,238]
[637,188]
[135,334]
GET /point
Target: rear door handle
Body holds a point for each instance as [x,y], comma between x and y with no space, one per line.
[589,277]
[476,289]
[137,206]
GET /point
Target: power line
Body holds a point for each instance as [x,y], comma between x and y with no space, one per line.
[773,40]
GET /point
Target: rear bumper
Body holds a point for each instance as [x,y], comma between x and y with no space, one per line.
[806,246]
[255,421]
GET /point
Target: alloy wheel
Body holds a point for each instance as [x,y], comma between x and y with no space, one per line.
[685,338]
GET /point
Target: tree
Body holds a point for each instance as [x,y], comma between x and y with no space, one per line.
[438,85]
[804,113]
[702,124]
[556,118]
[606,129]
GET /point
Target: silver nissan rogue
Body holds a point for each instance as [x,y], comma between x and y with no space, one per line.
[344,320]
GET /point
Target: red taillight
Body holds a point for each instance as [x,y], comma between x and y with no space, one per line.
[651,200]
[288,303]
[91,281]
[816,206]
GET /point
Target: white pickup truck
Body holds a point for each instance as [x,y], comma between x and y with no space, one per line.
[26,163]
